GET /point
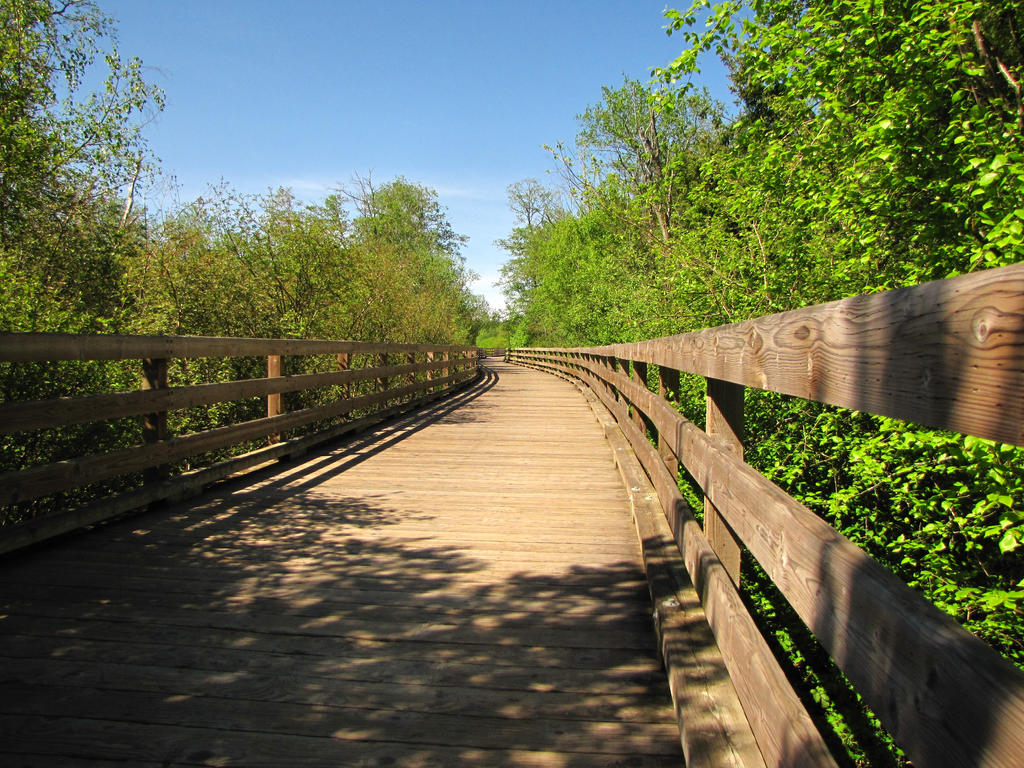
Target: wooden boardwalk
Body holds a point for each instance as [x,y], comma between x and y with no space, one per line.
[459,587]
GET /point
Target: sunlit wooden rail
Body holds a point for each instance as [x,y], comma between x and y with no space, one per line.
[948,354]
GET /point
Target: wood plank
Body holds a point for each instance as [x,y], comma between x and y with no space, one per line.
[725,425]
[536,670]
[409,625]
[64,739]
[537,667]
[326,690]
[341,723]
[273,399]
[668,389]
[587,568]
[25,347]
[362,599]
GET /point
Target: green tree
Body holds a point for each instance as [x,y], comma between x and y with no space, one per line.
[893,132]
[637,152]
[65,155]
[415,257]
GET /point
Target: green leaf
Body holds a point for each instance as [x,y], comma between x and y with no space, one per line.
[1009,542]
[988,178]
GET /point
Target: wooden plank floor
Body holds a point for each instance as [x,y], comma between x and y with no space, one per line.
[460,587]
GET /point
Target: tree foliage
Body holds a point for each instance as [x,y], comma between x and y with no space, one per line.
[896,129]
[270,266]
[65,154]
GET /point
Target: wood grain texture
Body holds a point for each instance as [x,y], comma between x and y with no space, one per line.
[947,698]
[724,424]
[154,424]
[274,398]
[947,354]
[668,388]
[334,612]
[713,727]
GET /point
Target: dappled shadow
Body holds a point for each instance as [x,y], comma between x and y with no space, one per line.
[279,620]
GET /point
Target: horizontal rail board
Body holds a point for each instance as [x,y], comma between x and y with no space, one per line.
[933,684]
[26,347]
[59,412]
[28,484]
[947,354]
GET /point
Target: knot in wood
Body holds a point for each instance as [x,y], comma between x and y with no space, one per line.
[755,341]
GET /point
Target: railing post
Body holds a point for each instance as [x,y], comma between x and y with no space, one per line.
[382,381]
[154,425]
[639,375]
[446,371]
[273,399]
[615,365]
[621,409]
[344,364]
[668,389]
[725,426]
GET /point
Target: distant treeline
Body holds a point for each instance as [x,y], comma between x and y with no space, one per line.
[873,145]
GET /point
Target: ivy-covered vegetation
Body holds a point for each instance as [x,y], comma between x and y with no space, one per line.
[873,145]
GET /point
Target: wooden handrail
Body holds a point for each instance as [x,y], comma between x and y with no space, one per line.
[23,347]
[399,388]
[948,354]
[945,354]
[64,411]
[491,351]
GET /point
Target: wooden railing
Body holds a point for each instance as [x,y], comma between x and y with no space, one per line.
[405,375]
[948,354]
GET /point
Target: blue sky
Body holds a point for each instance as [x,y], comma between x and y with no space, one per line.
[455,95]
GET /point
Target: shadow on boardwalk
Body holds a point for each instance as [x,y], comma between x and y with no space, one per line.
[291,620]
